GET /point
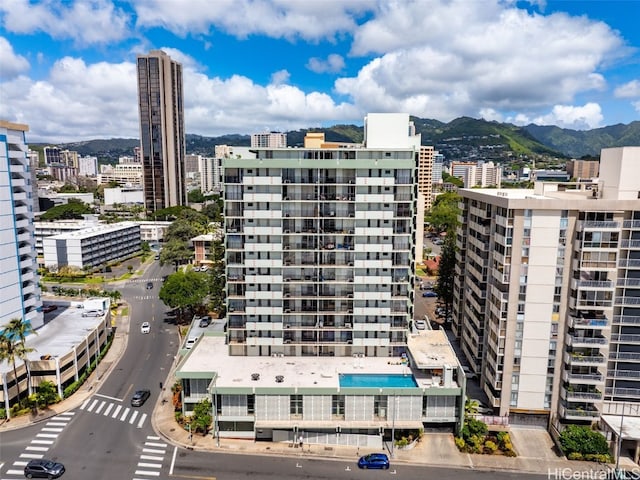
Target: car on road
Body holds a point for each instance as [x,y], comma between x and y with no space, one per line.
[374,460]
[204,322]
[139,397]
[145,327]
[157,257]
[149,285]
[49,308]
[190,343]
[429,294]
[468,372]
[93,313]
[420,324]
[43,469]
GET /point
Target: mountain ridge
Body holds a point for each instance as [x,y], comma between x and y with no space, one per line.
[494,140]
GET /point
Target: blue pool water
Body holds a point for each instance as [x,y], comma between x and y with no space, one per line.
[380,380]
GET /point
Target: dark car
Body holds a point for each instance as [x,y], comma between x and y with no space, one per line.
[204,322]
[140,397]
[429,294]
[43,469]
[149,285]
[374,460]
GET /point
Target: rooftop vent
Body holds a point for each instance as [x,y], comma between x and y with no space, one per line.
[255,376]
[279,378]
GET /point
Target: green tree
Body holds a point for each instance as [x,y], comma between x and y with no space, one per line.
[213,209]
[47,393]
[73,209]
[176,252]
[451,179]
[12,346]
[581,439]
[473,428]
[184,289]
[444,212]
[144,246]
[195,196]
[446,271]
[217,279]
[201,417]
[68,188]
[471,407]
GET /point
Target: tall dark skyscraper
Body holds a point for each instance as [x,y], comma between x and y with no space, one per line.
[162,135]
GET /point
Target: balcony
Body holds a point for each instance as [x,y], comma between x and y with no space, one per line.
[580,322]
[629,339]
[581,341]
[626,320]
[625,356]
[633,393]
[580,359]
[588,412]
[582,396]
[633,374]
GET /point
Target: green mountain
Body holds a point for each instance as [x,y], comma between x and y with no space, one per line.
[578,143]
[463,137]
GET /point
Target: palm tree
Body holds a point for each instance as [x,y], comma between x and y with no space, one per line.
[471,407]
[13,346]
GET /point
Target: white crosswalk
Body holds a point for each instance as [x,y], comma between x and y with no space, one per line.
[39,445]
[150,461]
[114,410]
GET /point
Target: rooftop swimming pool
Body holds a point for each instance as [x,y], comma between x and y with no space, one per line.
[376,380]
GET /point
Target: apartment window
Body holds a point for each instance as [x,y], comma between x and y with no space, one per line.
[380,406]
[251,404]
[295,405]
[337,405]
[514,399]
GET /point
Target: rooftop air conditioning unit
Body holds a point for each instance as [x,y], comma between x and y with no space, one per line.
[279,378]
[255,376]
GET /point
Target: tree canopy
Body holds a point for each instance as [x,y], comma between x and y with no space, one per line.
[582,439]
[74,209]
[444,212]
[184,289]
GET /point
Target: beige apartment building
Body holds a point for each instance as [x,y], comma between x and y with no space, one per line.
[547,295]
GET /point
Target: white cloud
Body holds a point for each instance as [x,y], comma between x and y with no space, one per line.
[636,105]
[280,77]
[11,64]
[490,115]
[458,57]
[86,22]
[583,117]
[628,90]
[333,64]
[274,18]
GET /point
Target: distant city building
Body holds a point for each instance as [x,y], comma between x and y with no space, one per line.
[52,155]
[88,166]
[583,169]
[162,133]
[125,174]
[546,295]
[49,199]
[549,176]
[438,165]
[124,196]
[210,174]
[269,140]
[49,229]
[425,175]
[19,290]
[477,174]
[153,231]
[92,247]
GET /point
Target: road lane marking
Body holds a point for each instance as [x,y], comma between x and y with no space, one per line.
[115,413]
[124,415]
[151,450]
[151,437]
[47,435]
[66,414]
[142,419]
[151,457]
[149,465]
[30,455]
[106,412]
[173,460]
[99,409]
[108,397]
[17,464]
[43,442]
[46,429]
[36,449]
[92,406]
[133,417]
[84,404]
[15,472]
[56,424]
[147,472]
[155,444]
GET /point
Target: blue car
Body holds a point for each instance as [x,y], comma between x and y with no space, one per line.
[429,294]
[374,460]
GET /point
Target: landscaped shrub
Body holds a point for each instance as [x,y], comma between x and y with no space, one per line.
[460,443]
[3,413]
[574,456]
[583,440]
[490,447]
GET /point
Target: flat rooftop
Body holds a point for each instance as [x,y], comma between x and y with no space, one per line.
[431,349]
[65,328]
[210,355]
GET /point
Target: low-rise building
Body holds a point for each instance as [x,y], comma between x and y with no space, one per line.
[92,247]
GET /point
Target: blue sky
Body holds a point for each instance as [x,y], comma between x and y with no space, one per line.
[67,68]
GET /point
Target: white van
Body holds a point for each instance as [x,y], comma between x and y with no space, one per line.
[190,342]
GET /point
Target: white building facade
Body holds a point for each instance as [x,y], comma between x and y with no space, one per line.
[19,290]
[547,293]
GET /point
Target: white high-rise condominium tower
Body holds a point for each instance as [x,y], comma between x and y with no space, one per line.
[162,134]
[320,246]
[19,291]
[547,293]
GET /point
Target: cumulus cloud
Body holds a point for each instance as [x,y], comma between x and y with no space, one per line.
[628,90]
[280,77]
[461,57]
[333,64]
[288,19]
[636,105]
[86,22]
[582,117]
[11,64]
